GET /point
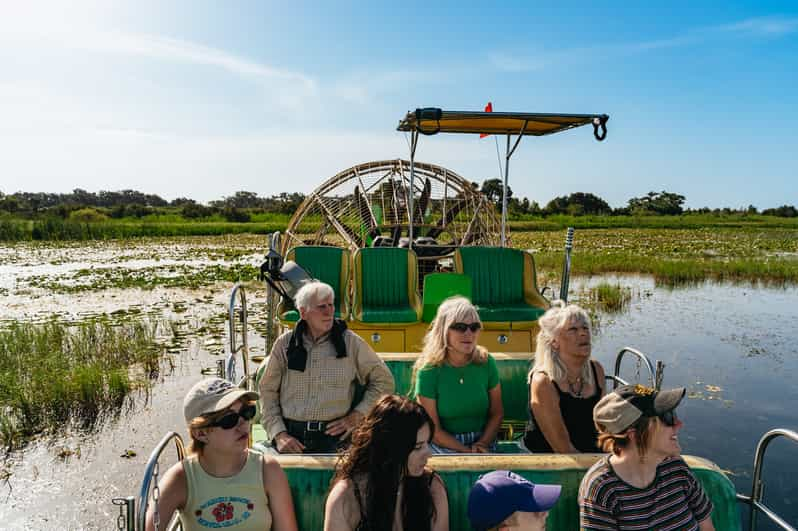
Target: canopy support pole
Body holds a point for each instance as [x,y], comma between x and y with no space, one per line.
[509,153]
[413,144]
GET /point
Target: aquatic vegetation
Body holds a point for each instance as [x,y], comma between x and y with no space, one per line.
[609,297]
[674,257]
[173,275]
[56,374]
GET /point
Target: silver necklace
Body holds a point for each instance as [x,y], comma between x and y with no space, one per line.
[572,386]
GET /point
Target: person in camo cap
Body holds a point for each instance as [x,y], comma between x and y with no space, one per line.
[221,482]
[643,483]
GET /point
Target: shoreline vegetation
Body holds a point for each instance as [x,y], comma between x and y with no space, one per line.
[57,374]
[13,229]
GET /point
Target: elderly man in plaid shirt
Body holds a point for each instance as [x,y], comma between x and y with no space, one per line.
[311,375]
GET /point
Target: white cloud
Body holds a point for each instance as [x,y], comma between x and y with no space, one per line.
[762,26]
[27,30]
[767,26]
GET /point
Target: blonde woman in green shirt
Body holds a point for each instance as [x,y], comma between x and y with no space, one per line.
[457,382]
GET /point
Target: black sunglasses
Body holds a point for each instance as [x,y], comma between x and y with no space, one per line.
[230,420]
[462,327]
[669,418]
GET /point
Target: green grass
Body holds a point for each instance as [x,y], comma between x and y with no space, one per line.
[53,375]
[171,224]
[610,298]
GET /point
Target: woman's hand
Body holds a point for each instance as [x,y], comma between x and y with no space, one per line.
[479,448]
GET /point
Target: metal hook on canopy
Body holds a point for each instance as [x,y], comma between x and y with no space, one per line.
[600,122]
[429,113]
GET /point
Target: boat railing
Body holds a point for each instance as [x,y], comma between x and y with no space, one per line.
[129,518]
[237,318]
[754,501]
[654,374]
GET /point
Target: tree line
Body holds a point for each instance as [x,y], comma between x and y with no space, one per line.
[581,203]
[239,206]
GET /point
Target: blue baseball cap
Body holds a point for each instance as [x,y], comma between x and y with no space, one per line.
[498,494]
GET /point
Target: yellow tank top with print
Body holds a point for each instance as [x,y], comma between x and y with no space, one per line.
[237,503]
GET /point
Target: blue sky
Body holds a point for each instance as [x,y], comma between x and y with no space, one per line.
[201,99]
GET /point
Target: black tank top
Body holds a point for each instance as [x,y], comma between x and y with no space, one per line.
[577,414]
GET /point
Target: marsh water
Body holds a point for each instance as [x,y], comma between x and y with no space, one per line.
[732,346]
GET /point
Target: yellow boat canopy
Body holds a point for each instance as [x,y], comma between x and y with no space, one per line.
[431,120]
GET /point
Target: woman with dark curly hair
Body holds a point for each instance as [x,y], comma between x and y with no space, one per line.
[382,481]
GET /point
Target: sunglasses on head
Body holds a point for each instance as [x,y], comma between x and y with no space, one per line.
[669,418]
[230,420]
[462,327]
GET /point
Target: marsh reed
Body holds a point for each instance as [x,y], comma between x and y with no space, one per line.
[56,374]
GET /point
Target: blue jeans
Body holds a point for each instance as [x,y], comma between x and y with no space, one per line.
[467,439]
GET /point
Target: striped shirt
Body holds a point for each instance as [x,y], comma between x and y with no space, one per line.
[674,500]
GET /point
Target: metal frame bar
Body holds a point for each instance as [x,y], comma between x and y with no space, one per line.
[127,508]
[152,462]
[509,153]
[654,375]
[757,486]
[413,145]
[238,289]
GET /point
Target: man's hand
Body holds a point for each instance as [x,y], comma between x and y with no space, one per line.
[286,444]
[344,426]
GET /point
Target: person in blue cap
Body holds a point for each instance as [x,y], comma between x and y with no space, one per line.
[502,500]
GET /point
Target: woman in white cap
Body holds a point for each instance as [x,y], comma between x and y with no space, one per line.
[643,483]
[222,483]
[502,500]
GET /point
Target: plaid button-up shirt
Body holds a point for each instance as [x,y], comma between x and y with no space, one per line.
[326,388]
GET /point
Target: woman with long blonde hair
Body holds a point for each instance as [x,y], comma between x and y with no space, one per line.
[457,381]
[564,384]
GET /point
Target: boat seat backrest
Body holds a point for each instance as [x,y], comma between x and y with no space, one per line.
[330,265]
[504,284]
[310,476]
[385,282]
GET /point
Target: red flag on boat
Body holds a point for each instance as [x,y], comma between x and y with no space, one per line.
[488,108]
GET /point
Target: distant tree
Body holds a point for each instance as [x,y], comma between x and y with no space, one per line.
[194,210]
[751,210]
[10,204]
[784,211]
[658,203]
[492,189]
[181,201]
[241,199]
[577,204]
[235,215]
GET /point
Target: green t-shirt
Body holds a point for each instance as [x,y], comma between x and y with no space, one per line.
[461,393]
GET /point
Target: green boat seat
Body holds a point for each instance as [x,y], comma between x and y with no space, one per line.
[327,264]
[310,476]
[504,283]
[385,280]
[440,286]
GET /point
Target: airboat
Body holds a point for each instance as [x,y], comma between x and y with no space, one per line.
[394,238]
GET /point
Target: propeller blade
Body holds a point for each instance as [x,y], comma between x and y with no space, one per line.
[447,218]
[366,216]
[423,202]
